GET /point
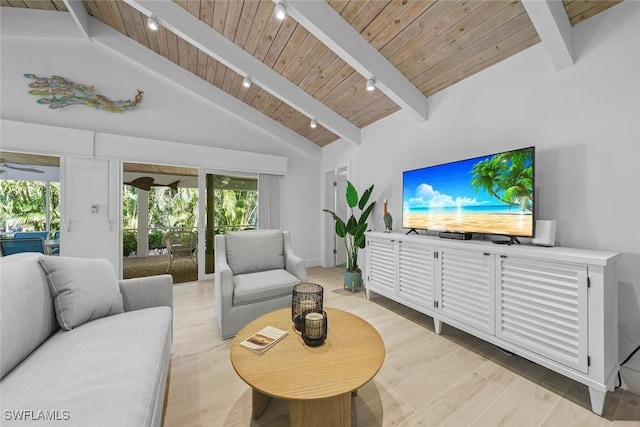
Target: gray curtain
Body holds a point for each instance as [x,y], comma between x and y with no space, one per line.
[269,201]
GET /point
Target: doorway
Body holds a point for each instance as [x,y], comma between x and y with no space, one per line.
[159,221]
[340,208]
[335,180]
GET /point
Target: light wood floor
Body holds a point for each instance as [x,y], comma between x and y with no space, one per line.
[427,379]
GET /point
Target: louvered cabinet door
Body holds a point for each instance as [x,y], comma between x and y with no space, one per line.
[542,306]
[382,266]
[467,287]
[416,274]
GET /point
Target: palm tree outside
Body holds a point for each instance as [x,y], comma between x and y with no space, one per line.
[23,205]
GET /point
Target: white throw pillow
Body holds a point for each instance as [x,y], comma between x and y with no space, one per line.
[82,289]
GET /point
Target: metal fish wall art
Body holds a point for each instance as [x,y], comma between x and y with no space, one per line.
[58,92]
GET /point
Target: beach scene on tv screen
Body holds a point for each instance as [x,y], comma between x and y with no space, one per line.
[491,194]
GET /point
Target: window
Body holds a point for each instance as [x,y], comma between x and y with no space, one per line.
[29,193]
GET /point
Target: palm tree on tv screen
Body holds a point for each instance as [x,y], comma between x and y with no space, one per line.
[508,177]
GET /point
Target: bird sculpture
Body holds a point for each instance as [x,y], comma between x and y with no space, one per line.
[388,221]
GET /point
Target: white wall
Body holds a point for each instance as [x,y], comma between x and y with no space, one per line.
[171,126]
[84,233]
[584,122]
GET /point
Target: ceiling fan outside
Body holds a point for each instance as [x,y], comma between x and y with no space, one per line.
[146,182]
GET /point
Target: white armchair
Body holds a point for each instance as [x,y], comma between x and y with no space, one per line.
[255,273]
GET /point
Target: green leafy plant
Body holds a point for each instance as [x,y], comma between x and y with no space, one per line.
[129,242]
[155,239]
[352,230]
[23,204]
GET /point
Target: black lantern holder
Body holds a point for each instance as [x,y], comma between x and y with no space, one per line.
[306,296]
[314,327]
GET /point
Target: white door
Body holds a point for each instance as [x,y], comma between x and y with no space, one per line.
[340,208]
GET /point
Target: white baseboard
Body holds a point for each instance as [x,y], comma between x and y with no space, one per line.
[313,262]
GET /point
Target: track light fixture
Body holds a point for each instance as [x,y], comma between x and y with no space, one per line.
[152,23]
[313,124]
[371,84]
[246,82]
[281,10]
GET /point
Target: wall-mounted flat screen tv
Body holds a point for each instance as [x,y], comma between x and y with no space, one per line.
[491,194]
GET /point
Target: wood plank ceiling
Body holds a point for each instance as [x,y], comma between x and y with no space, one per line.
[433,43]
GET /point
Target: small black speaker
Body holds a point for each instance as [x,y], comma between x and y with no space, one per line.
[454,235]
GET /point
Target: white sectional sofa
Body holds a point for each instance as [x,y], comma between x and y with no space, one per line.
[80,348]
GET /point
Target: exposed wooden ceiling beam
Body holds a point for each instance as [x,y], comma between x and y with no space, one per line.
[327,25]
[80,16]
[130,49]
[550,19]
[191,29]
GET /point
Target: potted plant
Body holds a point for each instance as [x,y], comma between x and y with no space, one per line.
[352,232]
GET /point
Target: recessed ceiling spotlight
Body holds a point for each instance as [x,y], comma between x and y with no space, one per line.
[313,124]
[246,82]
[152,23]
[281,10]
[371,84]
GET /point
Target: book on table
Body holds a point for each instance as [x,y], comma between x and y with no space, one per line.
[264,339]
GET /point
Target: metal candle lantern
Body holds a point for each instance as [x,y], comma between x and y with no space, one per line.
[306,296]
[314,327]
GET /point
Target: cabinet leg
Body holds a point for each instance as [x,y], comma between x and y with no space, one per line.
[437,325]
[597,400]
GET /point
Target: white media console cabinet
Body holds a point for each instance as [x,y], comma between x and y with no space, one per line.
[557,307]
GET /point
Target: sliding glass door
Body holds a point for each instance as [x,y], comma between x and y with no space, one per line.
[230,203]
[159,211]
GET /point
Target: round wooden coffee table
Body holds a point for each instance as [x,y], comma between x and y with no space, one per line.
[317,381]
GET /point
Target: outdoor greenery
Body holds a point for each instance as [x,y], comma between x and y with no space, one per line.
[22,205]
[234,210]
[167,209]
[130,241]
[508,177]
